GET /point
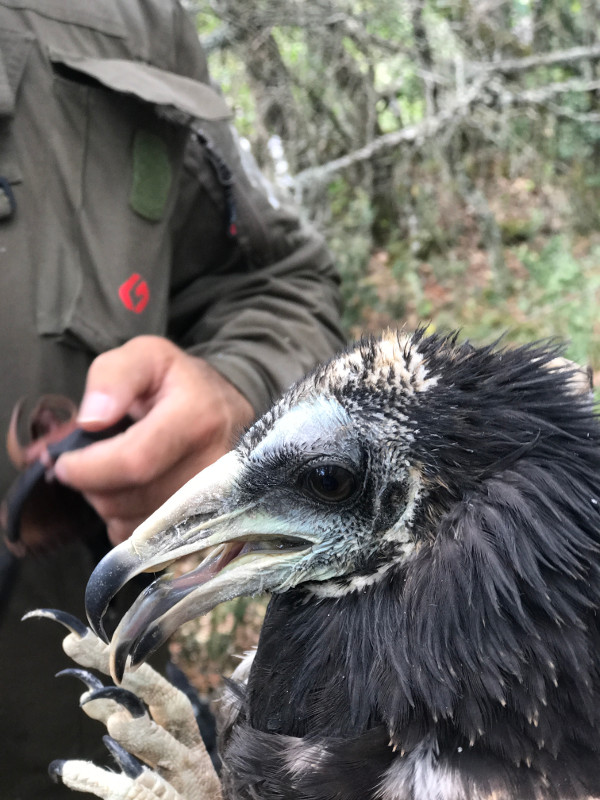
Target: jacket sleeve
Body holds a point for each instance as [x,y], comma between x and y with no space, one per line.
[255,291]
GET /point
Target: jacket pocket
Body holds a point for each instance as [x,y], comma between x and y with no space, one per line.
[109,277]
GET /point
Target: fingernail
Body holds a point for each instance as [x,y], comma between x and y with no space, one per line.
[96,407]
[60,473]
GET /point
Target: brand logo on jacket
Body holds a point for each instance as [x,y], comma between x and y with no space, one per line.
[134,293]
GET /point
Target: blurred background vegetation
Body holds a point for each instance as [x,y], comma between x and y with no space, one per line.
[450,152]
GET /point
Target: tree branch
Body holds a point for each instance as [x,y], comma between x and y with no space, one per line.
[422,131]
[508,66]
[483,92]
[545,95]
[219,39]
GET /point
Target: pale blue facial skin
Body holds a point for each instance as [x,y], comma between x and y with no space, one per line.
[311,425]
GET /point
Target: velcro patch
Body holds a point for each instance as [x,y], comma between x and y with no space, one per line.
[152,175]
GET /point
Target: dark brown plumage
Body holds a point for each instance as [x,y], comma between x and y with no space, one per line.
[426,515]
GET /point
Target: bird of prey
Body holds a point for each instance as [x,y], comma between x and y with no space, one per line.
[426,516]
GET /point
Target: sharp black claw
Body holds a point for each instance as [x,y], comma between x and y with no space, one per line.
[147,644]
[125,698]
[111,574]
[119,661]
[55,770]
[131,766]
[68,620]
[92,682]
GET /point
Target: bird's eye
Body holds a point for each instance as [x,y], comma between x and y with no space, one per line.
[330,482]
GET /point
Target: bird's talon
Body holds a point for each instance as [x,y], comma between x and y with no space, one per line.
[123,697]
[129,764]
[118,663]
[68,620]
[92,682]
[55,770]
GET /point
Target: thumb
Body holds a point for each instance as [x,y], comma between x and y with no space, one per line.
[99,409]
[119,378]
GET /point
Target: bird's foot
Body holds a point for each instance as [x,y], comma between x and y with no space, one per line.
[153,734]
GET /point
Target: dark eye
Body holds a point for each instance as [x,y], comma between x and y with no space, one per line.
[330,482]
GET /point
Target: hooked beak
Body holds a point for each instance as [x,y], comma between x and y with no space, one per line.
[245,551]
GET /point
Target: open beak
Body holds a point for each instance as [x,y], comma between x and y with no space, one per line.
[245,551]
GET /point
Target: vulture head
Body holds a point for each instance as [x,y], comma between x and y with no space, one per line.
[426,517]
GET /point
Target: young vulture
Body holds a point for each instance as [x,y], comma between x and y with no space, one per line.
[426,516]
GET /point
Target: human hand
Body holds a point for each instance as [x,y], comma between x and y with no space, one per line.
[186,415]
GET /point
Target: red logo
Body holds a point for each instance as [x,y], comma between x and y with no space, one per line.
[134,293]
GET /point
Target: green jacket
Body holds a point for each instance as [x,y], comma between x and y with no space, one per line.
[126,208]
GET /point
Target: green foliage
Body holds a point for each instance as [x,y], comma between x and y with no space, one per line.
[554,292]
[350,242]
[409,228]
[209,647]
[564,298]
[515,229]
